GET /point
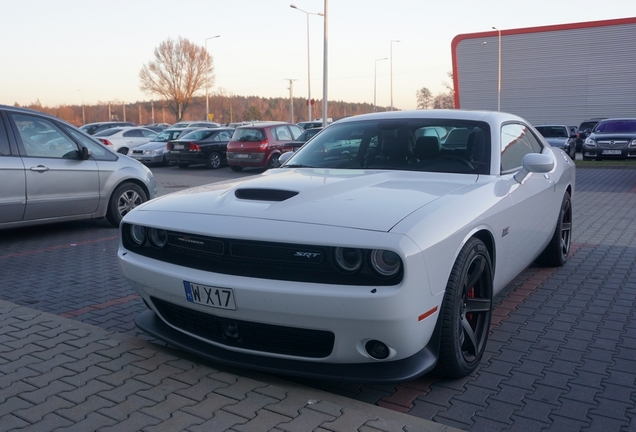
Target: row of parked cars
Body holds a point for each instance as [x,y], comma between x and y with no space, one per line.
[597,138]
[256,144]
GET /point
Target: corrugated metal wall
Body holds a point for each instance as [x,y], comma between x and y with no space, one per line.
[562,77]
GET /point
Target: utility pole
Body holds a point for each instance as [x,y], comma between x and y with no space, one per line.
[291,98]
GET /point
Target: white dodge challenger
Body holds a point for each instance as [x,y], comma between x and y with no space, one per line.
[372,254]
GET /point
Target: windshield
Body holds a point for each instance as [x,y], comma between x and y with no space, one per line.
[197,134]
[616,126]
[553,131]
[413,145]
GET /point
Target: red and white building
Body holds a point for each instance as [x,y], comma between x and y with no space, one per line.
[552,74]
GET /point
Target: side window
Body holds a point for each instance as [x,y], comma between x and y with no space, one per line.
[42,138]
[283,133]
[148,133]
[136,133]
[4,143]
[225,136]
[516,142]
[296,131]
[98,151]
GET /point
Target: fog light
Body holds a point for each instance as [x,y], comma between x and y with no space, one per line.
[377,349]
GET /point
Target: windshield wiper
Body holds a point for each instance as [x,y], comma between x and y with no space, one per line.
[296,166]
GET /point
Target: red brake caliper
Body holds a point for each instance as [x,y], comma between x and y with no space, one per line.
[470,294]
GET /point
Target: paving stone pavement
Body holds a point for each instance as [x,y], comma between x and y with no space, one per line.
[561,355]
[63,375]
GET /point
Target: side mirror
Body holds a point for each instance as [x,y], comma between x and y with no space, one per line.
[84,153]
[285,157]
[534,163]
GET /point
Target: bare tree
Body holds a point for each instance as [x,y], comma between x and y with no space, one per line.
[179,70]
[424,97]
[444,101]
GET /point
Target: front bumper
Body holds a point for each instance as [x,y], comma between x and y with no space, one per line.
[381,372]
[596,152]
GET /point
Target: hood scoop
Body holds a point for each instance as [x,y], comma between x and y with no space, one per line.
[264,194]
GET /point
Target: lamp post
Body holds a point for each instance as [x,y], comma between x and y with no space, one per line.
[309,117]
[375,79]
[325,67]
[499,73]
[392,72]
[83,115]
[207,68]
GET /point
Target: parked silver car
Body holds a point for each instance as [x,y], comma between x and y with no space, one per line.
[51,172]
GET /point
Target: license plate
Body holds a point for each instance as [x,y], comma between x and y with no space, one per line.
[241,155]
[612,152]
[179,146]
[221,298]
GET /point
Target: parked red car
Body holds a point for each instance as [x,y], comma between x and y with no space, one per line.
[260,145]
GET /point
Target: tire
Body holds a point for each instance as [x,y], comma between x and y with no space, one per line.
[273,161]
[236,168]
[214,160]
[126,197]
[556,252]
[123,150]
[467,311]
[183,165]
[165,162]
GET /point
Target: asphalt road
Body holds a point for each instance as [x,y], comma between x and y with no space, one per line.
[562,351]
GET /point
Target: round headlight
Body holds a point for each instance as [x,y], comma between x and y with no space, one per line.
[137,235]
[349,259]
[385,263]
[158,237]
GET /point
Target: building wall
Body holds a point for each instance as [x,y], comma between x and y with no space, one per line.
[555,74]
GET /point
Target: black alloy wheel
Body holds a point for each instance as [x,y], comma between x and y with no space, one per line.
[556,252]
[466,311]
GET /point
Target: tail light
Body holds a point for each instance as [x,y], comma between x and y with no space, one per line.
[193,147]
[263,145]
[105,142]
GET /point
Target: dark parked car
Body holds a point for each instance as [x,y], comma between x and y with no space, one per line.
[260,145]
[154,151]
[202,146]
[611,138]
[584,130]
[302,139]
[93,128]
[559,136]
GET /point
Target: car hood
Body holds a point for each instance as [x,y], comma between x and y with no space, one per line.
[369,200]
[557,142]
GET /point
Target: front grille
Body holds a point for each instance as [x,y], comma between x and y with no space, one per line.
[612,144]
[257,259]
[248,335]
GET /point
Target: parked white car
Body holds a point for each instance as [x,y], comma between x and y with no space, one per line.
[371,255]
[123,139]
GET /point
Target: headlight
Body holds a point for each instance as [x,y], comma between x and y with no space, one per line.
[590,142]
[385,263]
[137,235]
[632,143]
[349,259]
[158,237]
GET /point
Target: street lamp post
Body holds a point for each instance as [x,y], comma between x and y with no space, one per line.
[83,115]
[207,68]
[391,55]
[309,117]
[499,73]
[375,79]
[325,67]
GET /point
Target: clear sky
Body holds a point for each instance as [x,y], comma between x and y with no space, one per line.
[63,52]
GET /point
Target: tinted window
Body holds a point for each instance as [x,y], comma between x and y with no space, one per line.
[553,131]
[396,145]
[248,134]
[4,142]
[516,142]
[616,126]
[134,133]
[42,138]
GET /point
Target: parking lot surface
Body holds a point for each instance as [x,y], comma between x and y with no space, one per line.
[561,355]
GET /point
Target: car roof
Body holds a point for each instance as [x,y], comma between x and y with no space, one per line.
[451,114]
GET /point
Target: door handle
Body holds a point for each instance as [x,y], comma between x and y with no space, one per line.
[40,168]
